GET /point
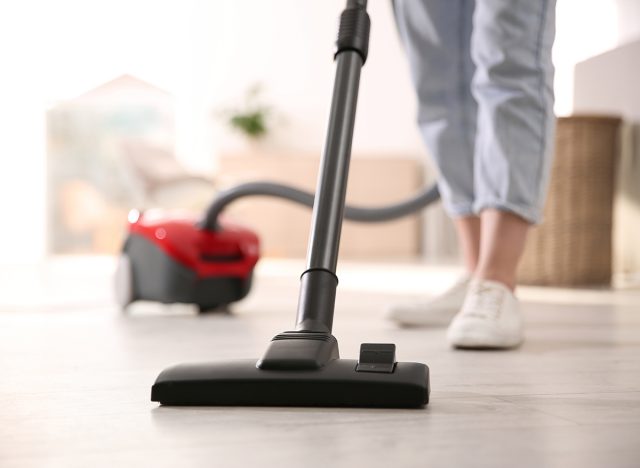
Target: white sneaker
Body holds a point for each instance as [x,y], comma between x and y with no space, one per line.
[437,311]
[490,318]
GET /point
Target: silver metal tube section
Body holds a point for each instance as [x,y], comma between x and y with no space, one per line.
[326,223]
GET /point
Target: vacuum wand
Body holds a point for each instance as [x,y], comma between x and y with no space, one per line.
[328,208]
[316,301]
[302,367]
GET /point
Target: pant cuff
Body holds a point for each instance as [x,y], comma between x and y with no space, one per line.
[459,210]
[529,214]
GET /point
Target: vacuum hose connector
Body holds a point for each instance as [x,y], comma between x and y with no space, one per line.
[353,32]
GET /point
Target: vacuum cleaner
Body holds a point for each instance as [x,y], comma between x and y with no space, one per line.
[176,258]
[171,259]
[210,263]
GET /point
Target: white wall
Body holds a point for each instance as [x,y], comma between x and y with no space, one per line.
[52,51]
[207,52]
[288,45]
[584,29]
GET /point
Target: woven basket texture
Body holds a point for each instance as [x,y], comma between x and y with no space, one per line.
[573,244]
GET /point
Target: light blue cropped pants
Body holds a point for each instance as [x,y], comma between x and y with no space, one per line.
[484,79]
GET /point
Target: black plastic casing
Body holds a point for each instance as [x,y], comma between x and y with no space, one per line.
[353,32]
[337,384]
[157,277]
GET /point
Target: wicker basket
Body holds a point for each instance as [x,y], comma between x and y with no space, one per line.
[573,246]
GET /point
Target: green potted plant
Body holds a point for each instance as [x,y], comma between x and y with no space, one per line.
[252,117]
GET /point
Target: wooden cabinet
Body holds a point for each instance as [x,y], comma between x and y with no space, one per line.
[284,226]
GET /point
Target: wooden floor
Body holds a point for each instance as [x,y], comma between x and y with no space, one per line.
[76,375]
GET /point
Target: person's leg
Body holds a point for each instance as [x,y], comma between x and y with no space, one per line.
[511,47]
[436,35]
[502,243]
[468,230]
[437,38]
[513,86]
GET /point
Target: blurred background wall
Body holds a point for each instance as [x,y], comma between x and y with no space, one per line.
[204,55]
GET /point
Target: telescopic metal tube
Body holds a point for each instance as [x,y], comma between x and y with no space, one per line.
[326,223]
[318,283]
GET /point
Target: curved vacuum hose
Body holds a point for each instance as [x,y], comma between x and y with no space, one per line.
[353,213]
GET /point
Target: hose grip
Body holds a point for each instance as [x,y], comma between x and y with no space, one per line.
[353,32]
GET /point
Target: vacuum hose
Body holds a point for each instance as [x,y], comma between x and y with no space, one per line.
[353,213]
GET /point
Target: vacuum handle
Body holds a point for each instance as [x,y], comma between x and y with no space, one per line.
[316,301]
[328,208]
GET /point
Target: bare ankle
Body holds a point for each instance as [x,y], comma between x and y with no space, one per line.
[508,280]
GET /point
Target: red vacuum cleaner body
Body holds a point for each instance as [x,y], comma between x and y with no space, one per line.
[169,258]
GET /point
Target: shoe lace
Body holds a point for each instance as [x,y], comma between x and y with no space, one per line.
[483,301]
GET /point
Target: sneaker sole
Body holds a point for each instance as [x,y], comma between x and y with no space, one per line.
[434,318]
[483,342]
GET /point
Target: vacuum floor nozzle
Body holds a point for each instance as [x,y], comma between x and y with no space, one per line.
[337,384]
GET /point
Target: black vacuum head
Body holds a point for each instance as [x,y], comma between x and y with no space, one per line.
[338,383]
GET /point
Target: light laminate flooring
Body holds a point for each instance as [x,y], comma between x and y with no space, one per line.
[76,375]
